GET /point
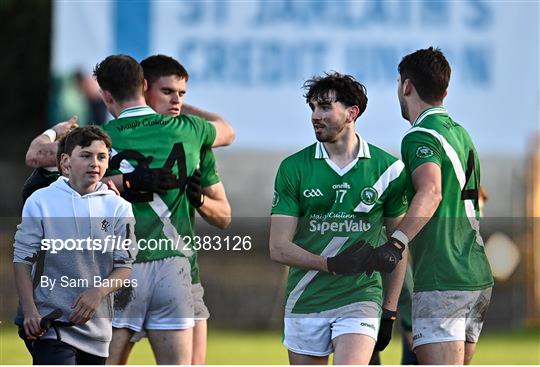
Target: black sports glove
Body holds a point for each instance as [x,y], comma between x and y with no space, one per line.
[157,180]
[385,330]
[194,189]
[351,261]
[385,258]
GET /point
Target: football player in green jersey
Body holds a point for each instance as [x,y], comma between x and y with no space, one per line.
[167,80]
[150,148]
[452,277]
[329,199]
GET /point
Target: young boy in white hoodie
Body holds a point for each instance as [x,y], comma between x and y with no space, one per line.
[79,236]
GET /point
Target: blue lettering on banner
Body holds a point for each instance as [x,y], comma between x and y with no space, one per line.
[481,17]
[252,62]
[476,65]
[273,63]
[250,57]
[435,14]
[132,28]
[342,14]
[195,13]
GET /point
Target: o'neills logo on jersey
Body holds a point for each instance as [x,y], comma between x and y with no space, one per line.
[343,226]
[312,193]
[343,185]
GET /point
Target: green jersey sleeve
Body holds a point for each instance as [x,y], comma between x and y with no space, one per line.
[209,173]
[418,148]
[286,200]
[396,201]
[204,129]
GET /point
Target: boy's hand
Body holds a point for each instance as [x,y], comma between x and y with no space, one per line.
[85,305]
[31,325]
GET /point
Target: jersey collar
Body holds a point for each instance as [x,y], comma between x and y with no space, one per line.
[136,111]
[363,151]
[428,112]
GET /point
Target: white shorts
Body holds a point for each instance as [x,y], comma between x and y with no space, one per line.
[200,309]
[162,299]
[312,334]
[444,316]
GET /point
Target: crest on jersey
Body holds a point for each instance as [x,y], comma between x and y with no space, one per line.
[275,199]
[404,200]
[369,195]
[424,152]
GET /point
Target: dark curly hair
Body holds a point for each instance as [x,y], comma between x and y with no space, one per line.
[338,87]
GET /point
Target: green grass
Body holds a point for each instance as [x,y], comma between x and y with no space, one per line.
[264,347]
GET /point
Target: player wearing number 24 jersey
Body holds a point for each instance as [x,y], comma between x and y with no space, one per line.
[452,277]
[173,143]
[155,154]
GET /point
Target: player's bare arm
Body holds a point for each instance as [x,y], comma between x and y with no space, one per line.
[215,209]
[394,279]
[224,132]
[426,179]
[427,183]
[42,150]
[284,251]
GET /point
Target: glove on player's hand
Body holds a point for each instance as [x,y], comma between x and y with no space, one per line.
[385,330]
[386,257]
[350,261]
[157,180]
[194,189]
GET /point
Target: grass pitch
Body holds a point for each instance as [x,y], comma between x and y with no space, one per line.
[264,347]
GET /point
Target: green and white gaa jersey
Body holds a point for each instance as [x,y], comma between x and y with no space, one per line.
[336,208]
[448,254]
[172,142]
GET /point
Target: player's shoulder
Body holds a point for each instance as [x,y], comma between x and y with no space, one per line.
[383,160]
[191,119]
[300,158]
[381,155]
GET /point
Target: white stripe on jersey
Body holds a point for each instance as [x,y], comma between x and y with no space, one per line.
[429,111]
[460,174]
[330,250]
[391,173]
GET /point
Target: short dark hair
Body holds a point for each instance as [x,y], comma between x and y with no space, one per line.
[157,66]
[429,71]
[345,88]
[81,136]
[121,75]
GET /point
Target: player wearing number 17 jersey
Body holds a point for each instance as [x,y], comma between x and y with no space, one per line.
[329,197]
[452,277]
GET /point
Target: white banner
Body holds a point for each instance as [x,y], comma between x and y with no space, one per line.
[248,59]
